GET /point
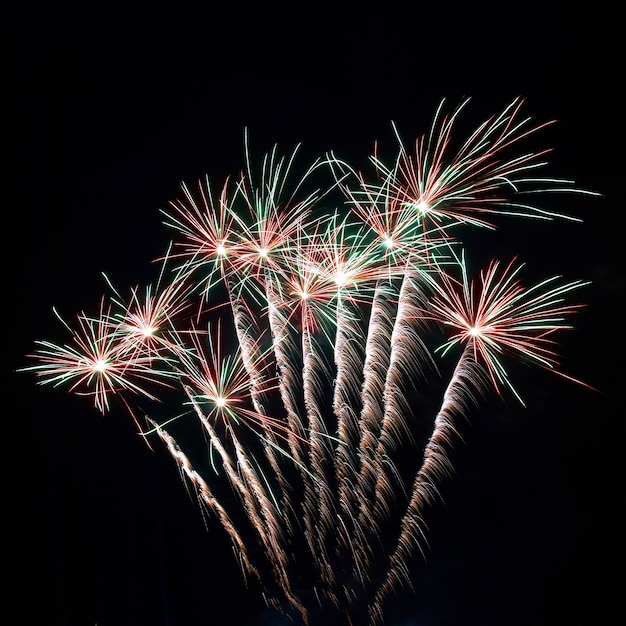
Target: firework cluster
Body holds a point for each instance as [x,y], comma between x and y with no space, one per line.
[291,324]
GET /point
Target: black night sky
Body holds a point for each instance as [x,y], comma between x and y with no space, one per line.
[113,105]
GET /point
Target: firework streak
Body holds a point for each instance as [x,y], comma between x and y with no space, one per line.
[298,339]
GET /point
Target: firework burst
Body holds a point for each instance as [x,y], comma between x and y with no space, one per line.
[99,362]
[329,310]
[498,315]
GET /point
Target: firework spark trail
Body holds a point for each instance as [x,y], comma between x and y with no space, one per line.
[322,509]
[251,356]
[348,269]
[208,498]
[436,466]
[345,261]
[408,354]
[288,376]
[348,368]
[248,481]
[248,342]
[271,517]
[377,355]
[376,363]
[241,487]
[348,361]
[295,302]
[274,196]
[296,437]
[259,508]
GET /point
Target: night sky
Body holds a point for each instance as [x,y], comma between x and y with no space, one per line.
[111,107]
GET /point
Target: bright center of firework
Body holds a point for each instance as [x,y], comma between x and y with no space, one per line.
[422,206]
[220,401]
[148,331]
[100,365]
[263,253]
[475,331]
[342,278]
[221,249]
[300,292]
[388,242]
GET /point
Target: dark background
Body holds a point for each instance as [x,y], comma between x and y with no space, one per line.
[112,105]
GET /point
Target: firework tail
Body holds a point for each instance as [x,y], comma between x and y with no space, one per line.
[348,363]
[320,508]
[310,433]
[249,343]
[207,496]
[376,361]
[259,507]
[435,468]
[407,351]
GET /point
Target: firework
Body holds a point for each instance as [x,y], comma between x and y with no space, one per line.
[296,326]
[100,362]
